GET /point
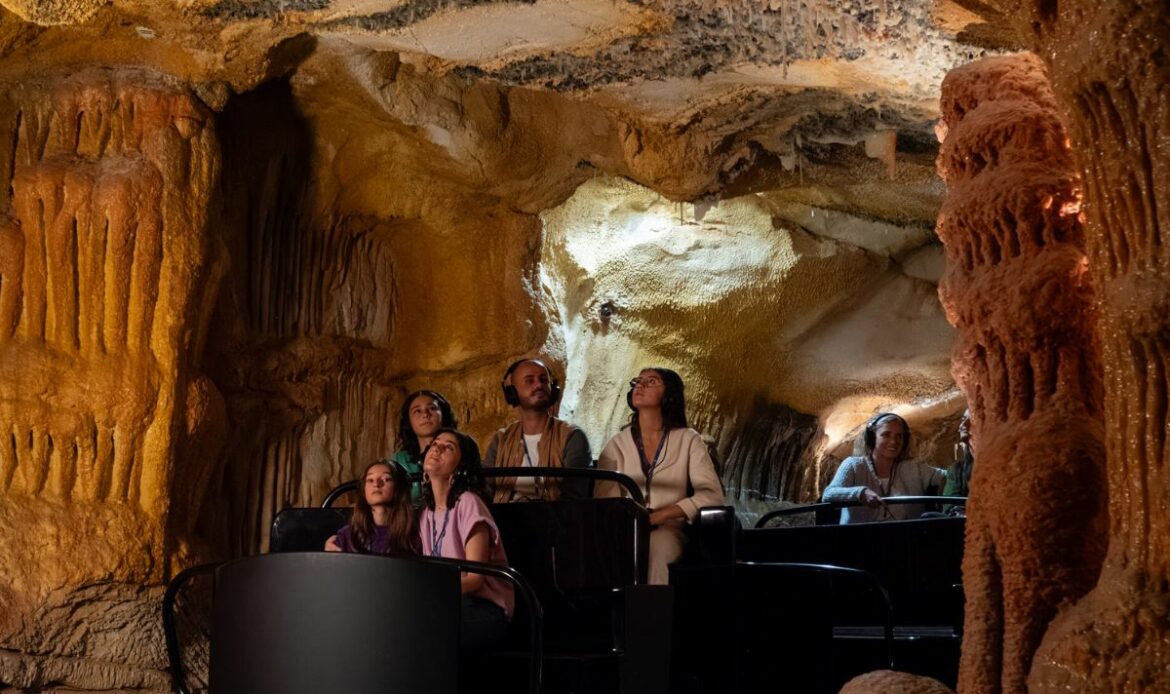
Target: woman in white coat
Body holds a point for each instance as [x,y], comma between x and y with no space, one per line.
[667,459]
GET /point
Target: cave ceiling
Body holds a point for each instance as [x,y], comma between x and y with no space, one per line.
[727,97]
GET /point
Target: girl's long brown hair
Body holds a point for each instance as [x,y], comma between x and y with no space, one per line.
[403,535]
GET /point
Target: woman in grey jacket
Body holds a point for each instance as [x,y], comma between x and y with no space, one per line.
[883,471]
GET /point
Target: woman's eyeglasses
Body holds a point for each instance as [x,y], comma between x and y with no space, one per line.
[645,382]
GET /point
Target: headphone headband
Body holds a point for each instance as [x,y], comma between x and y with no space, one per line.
[512,397]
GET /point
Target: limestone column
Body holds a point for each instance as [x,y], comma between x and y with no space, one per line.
[1017,288]
[1109,63]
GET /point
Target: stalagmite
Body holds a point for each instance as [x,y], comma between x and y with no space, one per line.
[1017,288]
[1110,72]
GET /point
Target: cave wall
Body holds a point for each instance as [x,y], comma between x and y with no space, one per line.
[110,265]
[778,321]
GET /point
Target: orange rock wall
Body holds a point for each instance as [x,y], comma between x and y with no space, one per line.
[1018,289]
[109,267]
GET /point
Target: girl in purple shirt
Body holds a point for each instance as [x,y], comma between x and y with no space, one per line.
[457,524]
[382,521]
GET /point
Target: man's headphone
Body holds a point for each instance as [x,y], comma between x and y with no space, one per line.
[513,398]
[871,431]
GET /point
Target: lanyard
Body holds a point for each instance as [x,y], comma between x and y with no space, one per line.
[437,541]
[648,467]
[890,480]
[536,481]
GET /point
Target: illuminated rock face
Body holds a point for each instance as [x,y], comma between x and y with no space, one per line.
[1113,82]
[779,315]
[1017,288]
[109,267]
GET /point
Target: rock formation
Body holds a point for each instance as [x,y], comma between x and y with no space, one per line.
[1110,74]
[109,269]
[1017,288]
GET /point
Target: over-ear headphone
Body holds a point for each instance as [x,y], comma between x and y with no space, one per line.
[871,431]
[513,398]
[667,397]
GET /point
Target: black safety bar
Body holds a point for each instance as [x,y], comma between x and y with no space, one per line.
[535,610]
[591,473]
[883,594]
[507,573]
[170,631]
[828,505]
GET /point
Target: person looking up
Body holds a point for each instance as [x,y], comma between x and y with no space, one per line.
[423,413]
[456,524]
[382,521]
[536,439]
[667,459]
[883,471]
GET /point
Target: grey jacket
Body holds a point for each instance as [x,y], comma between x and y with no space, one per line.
[857,474]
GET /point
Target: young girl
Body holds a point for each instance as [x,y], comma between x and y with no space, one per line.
[456,524]
[382,521]
[423,413]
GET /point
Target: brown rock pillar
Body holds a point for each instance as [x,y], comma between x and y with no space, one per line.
[107,268]
[1018,290]
[1109,64]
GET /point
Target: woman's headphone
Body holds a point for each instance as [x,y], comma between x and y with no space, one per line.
[513,398]
[872,425]
[667,396]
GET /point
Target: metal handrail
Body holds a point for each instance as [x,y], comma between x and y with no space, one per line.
[170,630]
[535,609]
[570,472]
[828,505]
[887,604]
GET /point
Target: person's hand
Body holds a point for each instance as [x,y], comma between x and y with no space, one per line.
[331,544]
[871,498]
[662,516]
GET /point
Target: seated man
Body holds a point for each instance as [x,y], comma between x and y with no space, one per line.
[537,439]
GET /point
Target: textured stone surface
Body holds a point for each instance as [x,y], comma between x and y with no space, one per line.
[108,270]
[1114,87]
[890,682]
[756,308]
[1016,287]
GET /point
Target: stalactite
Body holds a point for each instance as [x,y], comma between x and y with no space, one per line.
[1036,520]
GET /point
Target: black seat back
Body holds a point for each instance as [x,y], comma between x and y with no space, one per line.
[293,623]
[305,529]
[574,545]
[918,561]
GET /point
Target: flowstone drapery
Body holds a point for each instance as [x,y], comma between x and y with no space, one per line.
[109,267]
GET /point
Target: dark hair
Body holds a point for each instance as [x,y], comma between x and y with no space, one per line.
[674,403]
[468,475]
[871,428]
[407,439]
[403,534]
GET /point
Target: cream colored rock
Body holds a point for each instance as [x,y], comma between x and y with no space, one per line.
[746,308]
